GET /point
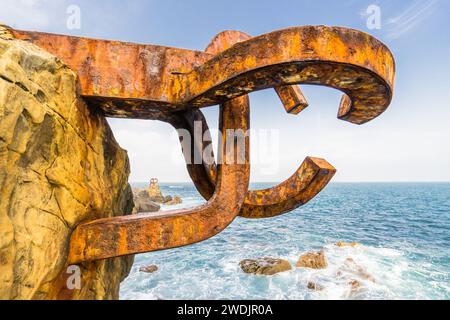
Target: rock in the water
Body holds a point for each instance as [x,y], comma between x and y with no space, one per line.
[265,266]
[148,201]
[314,286]
[59,165]
[143,203]
[355,268]
[148,269]
[355,285]
[313,260]
[171,201]
[342,244]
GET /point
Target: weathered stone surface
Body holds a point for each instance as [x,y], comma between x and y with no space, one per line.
[342,244]
[265,266]
[59,165]
[148,269]
[143,203]
[313,260]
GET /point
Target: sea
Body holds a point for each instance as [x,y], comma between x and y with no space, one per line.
[403,229]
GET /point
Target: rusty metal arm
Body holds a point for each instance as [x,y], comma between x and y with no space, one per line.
[146,81]
[291,96]
[112,237]
[308,181]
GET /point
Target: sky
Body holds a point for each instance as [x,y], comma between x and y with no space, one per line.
[409,142]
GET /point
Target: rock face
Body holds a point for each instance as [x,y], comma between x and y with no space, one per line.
[265,266]
[143,203]
[59,165]
[313,260]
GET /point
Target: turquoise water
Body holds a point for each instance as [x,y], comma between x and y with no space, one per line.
[404,230]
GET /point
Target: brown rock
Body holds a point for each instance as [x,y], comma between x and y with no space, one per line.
[59,165]
[143,203]
[314,286]
[173,201]
[342,244]
[148,269]
[265,266]
[313,260]
[355,285]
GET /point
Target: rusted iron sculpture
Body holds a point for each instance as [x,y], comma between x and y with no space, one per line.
[139,81]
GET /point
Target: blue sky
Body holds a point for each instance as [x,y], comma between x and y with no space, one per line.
[409,142]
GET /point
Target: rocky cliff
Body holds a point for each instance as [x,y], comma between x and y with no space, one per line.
[59,165]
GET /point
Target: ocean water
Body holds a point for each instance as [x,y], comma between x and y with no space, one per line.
[404,229]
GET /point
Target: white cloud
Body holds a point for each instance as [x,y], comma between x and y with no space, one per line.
[414,15]
[27,14]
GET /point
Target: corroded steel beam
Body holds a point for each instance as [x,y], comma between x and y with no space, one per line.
[112,237]
[147,81]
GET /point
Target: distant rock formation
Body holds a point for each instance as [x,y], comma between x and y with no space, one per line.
[143,203]
[149,200]
[59,165]
[265,266]
[313,260]
[154,191]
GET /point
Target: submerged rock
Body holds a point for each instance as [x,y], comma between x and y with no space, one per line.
[355,268]
[313,260]
[355,285]
[265,266]
[148,269]
[314,286]
[342,244]
[59,165]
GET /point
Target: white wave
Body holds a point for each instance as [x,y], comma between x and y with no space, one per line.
[376,273]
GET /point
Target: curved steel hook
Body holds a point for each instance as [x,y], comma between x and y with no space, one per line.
[312,176]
